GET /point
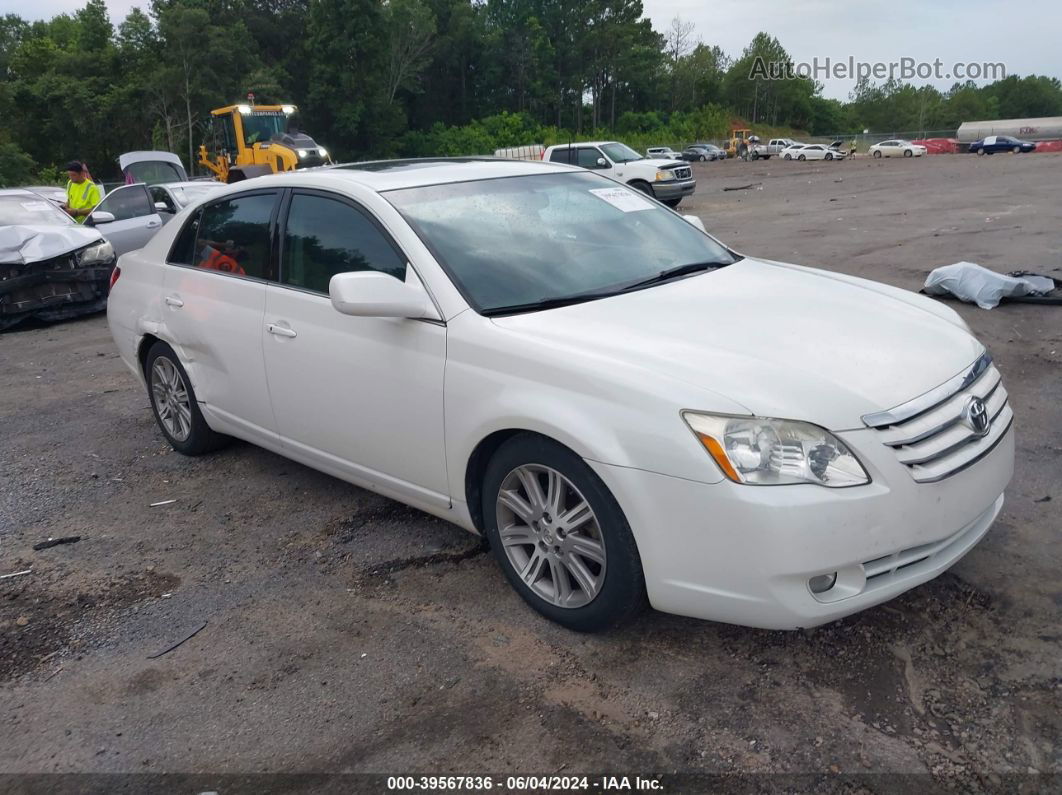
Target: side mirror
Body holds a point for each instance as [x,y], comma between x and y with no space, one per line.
[375,294]
[602,163]
[693,220]
[101,217]
[162,207]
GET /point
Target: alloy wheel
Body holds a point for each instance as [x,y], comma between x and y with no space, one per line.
[551,536]
[172,401]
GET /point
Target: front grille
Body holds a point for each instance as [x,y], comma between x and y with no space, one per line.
[683,172]
[936,435]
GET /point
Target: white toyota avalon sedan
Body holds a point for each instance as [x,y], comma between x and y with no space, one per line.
[626,408]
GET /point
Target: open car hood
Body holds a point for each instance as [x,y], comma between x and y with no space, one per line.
[20,245]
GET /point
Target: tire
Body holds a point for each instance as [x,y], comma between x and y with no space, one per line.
[908,153]
[1016,150]
[801,157]
[594,566]
[644,187]
[174,405]
[980,151]
[828,156]
[701,159]
[877,154]
[672,202]
[788,157]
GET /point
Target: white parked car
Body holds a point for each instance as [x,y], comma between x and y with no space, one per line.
[790,152]
[897,148]
[813,152]
[666,179]
[625,407]
[665,152]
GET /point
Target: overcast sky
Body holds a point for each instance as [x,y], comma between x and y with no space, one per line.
[1021,35]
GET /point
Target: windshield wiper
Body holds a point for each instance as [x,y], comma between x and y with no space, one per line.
[550,303]
[676,272]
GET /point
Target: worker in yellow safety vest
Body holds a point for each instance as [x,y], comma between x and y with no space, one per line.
[82,194]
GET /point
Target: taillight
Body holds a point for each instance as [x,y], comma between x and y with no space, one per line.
[114,276]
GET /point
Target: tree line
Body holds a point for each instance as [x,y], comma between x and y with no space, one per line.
[420,77]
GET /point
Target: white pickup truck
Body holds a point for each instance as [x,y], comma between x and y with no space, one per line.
[772,148]
[664,179]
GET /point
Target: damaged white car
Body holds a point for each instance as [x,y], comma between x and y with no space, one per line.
[50,267]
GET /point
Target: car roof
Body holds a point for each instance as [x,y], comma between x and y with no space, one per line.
[384,175]
[583,143]
[192,183]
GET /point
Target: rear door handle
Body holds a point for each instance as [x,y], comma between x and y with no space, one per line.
[281,331]
[172,300]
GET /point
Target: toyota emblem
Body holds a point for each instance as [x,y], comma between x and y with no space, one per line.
[975,416]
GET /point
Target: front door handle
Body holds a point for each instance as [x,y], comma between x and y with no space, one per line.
[280,331]
[153,224]
[172,300]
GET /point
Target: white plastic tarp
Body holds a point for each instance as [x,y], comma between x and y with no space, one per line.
[978,285]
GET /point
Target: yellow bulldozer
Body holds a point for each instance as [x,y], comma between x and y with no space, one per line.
[249,140]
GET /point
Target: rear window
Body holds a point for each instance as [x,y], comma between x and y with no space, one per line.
[233,235]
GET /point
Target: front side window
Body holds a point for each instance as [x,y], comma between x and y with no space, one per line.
[517,241]
[325,236]
[588,159]
[233,235]
[127,203]
[262,126]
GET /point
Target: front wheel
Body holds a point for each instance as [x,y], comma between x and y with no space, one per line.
[174,404]
[980,151]
[560,536]
[1016,150]
[877,154]
[829,156]
[788,157]
[644,187]
[701,158]
[672,202]
[908,153]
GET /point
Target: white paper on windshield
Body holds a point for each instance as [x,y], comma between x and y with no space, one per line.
[623,199]
[36,207]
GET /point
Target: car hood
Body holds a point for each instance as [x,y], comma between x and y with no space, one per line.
[661,162]
[32,243]
[780,340]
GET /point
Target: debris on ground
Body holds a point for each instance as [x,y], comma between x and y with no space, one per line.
[986,288]
[757,185]
[163,502]
[54,542]
[185,639]
[15,574]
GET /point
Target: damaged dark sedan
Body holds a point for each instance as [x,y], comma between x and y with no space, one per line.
[50,267]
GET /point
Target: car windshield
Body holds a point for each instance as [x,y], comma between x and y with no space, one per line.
[620,153]
[187,194]
[26,209]
[512,243]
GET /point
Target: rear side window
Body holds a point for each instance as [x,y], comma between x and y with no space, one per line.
[325,236]
[562,156]
[233,235]
[183,251]
[127,203]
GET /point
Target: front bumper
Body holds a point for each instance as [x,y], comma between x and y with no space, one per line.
[52,290]
[665,191]
[744,554]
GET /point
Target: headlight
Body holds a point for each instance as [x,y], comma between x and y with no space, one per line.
[662,175]
[302,153]
[97,254]
[322,152]
[765,452]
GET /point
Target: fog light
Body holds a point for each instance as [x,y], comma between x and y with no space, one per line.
[822,583]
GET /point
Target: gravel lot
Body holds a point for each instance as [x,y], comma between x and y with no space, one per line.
[345,632]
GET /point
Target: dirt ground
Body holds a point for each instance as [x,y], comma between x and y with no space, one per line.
[345,632]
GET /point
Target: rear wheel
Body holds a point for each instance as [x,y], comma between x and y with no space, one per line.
[877,154]
[559,535]
[174,404]
[802,157]
[788,157]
